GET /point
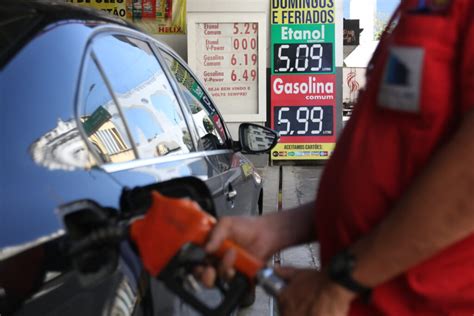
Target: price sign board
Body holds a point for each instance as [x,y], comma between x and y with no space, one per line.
[227,62]
[303,96]
[227,52]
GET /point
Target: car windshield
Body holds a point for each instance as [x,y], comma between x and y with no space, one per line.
[15,29]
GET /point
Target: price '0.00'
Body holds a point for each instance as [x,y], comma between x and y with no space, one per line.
[243,43]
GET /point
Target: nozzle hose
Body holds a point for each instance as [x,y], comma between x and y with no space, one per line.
[101,236]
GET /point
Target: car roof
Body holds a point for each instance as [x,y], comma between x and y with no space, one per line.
[21,20]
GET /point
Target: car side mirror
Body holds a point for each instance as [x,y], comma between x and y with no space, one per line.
[255,139]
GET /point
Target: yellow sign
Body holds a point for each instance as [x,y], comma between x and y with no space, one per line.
[153,16]
[304,151]
[162,16]
[300,12]
[115,7]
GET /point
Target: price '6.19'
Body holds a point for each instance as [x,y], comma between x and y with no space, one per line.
[303,120]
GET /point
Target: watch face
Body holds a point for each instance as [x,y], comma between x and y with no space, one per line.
[341,266]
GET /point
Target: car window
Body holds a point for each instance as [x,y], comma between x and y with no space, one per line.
[101,119]
[144,95]
[208,122]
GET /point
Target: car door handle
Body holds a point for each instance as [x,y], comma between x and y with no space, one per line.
[231,195]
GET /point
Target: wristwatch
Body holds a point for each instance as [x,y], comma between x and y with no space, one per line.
[340,271]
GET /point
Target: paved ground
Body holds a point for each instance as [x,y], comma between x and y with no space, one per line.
[299,186]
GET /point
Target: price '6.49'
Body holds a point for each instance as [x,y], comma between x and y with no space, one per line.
[303,120]
[243,75]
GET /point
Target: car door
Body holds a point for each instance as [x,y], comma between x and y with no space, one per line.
[153,143]
[163,144]
[153,121]
[240,191]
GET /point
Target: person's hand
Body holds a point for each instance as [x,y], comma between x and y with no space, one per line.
[252,233]
[311,293]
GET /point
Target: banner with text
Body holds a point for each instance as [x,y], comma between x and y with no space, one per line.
[303,83]
[153,16]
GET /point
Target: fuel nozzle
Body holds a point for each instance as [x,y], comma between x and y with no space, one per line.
[270,281]
[171,225]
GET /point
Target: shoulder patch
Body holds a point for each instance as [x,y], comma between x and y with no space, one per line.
[401,83]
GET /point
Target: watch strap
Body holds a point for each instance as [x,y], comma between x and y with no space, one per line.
[340,271]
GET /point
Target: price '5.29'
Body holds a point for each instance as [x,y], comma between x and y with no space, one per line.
[303,120]
[310,58]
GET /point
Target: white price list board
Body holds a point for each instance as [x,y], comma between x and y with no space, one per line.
[227,63]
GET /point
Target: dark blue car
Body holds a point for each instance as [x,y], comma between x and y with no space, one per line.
[90,106]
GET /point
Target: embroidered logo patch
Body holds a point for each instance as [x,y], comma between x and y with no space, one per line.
[438,5]
[400,88]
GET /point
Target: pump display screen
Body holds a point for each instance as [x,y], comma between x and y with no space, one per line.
[300,58]
[303,120]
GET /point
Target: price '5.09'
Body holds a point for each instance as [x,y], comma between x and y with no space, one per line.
[289,58]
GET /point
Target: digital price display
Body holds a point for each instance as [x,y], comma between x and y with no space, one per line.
[303,120]
[300,58]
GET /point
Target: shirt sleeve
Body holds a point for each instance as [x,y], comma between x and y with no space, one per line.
[467,68]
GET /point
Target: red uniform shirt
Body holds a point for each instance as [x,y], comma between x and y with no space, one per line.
[420,83]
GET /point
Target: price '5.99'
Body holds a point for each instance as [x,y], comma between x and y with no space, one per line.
[289,58]
[303,120]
